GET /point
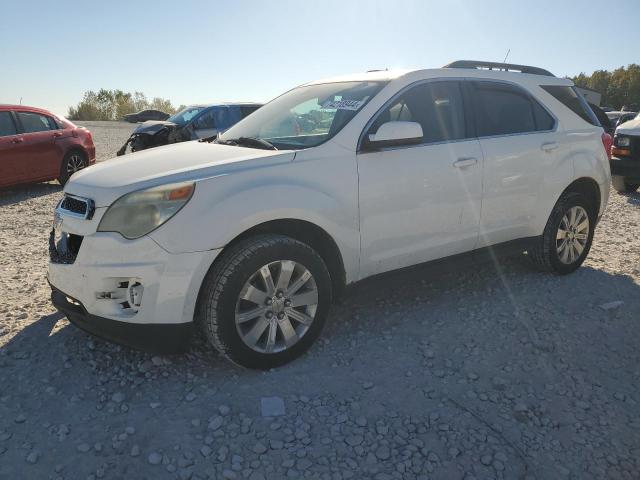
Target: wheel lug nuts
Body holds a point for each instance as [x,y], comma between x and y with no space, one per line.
[280,295]
[287,303]
[280,316]
[269,315]
[268,301]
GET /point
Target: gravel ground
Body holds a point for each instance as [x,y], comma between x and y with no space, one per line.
[494,371]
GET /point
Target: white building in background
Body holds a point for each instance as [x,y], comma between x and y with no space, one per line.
[592,96]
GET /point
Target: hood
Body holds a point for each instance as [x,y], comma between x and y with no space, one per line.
[107,181]
[153,126]
[632,127]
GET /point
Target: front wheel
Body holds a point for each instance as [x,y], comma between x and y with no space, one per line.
[72,162]
[265,301]
[567,237]
[622,186]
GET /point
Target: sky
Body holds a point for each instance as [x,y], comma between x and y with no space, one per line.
[250,50]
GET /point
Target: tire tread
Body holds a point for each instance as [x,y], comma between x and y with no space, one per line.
[218,276]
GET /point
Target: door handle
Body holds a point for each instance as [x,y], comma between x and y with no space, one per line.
[57,134]
[548,147]
[465,162]
[17,140]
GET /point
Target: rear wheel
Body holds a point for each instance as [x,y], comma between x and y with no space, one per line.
[622,186]
[72,162]
[567,237]
[265,301]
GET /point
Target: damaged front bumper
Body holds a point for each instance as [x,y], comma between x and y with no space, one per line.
[126,290]
[155,338]
[155,134]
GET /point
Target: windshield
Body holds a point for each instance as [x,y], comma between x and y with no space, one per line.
[305,116]
[185,115]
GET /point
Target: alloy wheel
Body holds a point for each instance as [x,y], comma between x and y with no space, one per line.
[572,235]
[74,163]
[276,306]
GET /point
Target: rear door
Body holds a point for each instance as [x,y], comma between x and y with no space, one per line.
[11,145]
[41,155]
[522,152]
[421,202]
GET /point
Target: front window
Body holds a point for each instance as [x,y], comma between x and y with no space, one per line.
[305,116]
[185,115]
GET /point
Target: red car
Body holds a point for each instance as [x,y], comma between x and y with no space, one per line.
[38,146]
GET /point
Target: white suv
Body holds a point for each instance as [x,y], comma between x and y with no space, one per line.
[249,236]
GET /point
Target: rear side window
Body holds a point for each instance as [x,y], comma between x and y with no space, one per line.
[437,106]
[7,127]
[575,102]
[34,122]
[502,109]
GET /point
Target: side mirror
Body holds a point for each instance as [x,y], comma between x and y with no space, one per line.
[394,134]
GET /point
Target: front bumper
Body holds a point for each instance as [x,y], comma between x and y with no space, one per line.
[125,290]
[156,338]
[626,167]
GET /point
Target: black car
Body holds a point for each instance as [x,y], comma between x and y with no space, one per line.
[604,120]
[190,123]
[619,117]
[144,115]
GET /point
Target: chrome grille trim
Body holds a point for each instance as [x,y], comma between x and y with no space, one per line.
[74,206]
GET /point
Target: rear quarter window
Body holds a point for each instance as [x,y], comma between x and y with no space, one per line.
[575,102]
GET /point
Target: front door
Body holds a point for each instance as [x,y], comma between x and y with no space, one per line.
[421,202]
[210,122]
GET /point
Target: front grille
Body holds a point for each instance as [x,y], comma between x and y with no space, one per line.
[82,207]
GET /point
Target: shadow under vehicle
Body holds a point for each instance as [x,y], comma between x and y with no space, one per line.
[191,123]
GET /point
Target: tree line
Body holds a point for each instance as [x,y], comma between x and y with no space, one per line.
[618,88]
[114,104]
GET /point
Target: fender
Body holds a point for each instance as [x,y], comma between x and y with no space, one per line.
[226,206]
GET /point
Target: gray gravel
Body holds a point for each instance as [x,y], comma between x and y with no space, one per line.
[490,371]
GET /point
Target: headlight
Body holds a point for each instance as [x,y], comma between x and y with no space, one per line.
[622,141]
[138,213]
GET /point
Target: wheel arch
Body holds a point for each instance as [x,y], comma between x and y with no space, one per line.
[309,233]
[588,187]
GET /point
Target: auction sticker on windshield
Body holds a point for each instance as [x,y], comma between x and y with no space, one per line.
[342,104]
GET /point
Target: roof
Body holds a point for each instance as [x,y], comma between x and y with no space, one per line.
[416,74]
[6,106]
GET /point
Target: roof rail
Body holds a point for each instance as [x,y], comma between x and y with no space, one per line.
[478,64]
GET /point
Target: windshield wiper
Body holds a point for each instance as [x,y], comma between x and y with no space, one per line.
[248,142]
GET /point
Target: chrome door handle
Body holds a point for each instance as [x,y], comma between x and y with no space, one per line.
[548,147]
[465,162]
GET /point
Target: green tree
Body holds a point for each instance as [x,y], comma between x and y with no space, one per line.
[114,104]
[618,88]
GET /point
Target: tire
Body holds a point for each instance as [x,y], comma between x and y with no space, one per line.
[231,324]
[621,186]
[549,253]
[71,163]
